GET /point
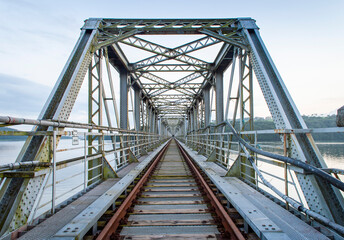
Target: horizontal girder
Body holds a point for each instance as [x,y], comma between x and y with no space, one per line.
[131,32]
[168,26]
[161,93]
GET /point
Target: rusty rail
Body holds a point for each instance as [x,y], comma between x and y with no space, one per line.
[227,222]
[112,225]
[229,226]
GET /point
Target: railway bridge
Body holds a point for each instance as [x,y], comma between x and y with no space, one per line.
[168,149]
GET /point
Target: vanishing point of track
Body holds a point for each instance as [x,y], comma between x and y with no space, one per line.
[171,201]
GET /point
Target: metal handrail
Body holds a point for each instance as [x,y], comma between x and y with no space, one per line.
[307,167]
[136,141]
[61,124]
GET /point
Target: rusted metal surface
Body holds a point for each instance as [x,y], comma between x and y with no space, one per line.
[171,205]
[113,223]
[227,222]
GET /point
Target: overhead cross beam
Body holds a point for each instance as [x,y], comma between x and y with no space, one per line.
[224,38]
[167,26]
[162,54]
[170,68]
[182,103]
[179,82]
[179,53]
[164,82]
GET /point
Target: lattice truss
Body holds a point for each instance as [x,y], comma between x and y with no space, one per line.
[175,85]
[171,76]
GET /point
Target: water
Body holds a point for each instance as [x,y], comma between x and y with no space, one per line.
[69,180]
[333,154]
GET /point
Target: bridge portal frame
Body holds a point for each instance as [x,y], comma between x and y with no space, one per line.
[104,35]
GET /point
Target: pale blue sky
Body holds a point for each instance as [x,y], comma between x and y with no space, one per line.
[304,38]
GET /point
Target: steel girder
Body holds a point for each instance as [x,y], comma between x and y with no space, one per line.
[177,84]
[214,29]
[170,68]
[153,102]
[19,200]
[321,197]
[165,83]
[167,26]
[95,110]
[164,53]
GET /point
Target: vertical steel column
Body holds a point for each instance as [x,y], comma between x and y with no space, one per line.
[156,123]
[123,109]
[219,111]
[192,120]
[321,197]
[230,84]
[15,209]
[246,111]
[149,119]
[159,126]
[95,110]
[185,126]
[147,115]
[123,77]
[206,99]
[137,101]
[195,115]
[241,77]
[163,129]
[219,96]
[153,121]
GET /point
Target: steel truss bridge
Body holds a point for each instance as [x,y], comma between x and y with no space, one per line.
[150,81]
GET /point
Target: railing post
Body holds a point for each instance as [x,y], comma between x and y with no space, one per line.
[255,157]
[102,148]
[115,153]
[285,148]
[53,190]
[85,161]
[208,142]
[239,158]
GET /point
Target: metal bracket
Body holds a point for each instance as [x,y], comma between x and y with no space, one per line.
[143,152]
[132,157]
[91,23]
[201,152]
[108,171]
[234,170]
[247,23]
[212,156]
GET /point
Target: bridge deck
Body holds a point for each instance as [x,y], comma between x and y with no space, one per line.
[171,205]
[53,224]
[266,218]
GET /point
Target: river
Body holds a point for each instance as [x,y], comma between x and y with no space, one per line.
[333,154]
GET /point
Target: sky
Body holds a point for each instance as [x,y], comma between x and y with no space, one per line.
[305,39]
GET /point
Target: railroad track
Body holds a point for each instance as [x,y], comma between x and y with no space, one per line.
[171,201]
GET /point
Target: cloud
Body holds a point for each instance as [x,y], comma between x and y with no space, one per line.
[21,97]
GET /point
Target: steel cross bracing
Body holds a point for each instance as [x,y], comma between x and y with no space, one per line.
[168,90]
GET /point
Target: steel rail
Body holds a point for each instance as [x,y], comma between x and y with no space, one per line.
[226,220]
[112,225]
